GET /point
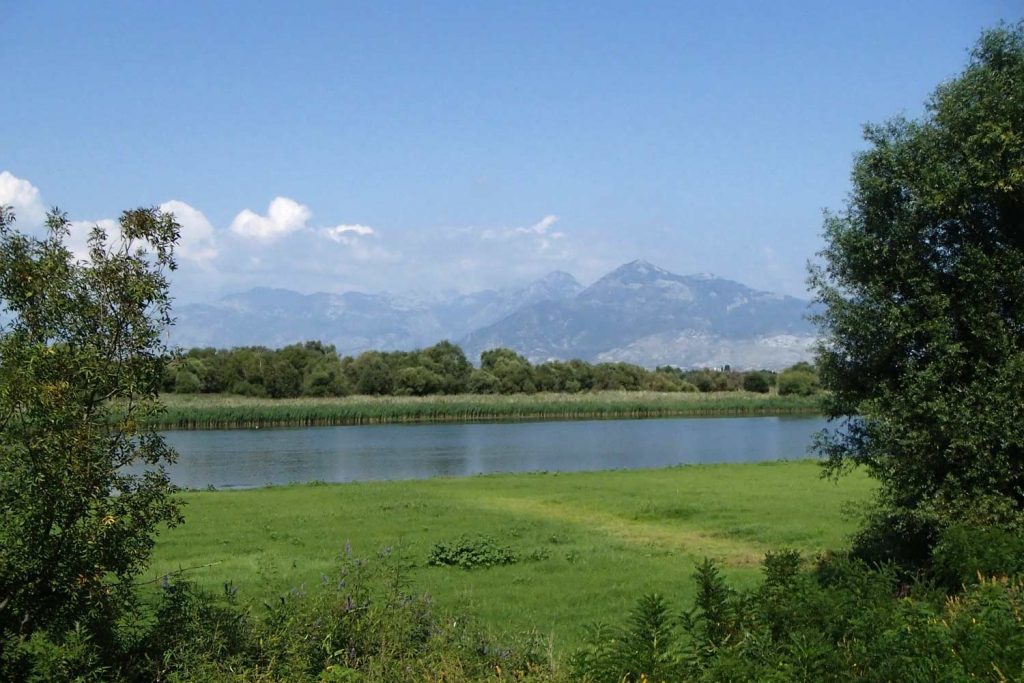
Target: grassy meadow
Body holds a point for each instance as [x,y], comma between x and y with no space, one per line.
[219,411]
[589,544]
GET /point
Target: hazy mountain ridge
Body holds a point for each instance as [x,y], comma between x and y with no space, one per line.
[637,313]
[646,315]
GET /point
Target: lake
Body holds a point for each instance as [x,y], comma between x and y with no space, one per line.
[258,457]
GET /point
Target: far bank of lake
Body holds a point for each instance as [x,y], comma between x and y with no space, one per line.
[222,411]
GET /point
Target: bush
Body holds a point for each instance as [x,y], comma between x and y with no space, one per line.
[186,382]
[965,553]
[798,383]
[759,382]
[470,552]
[841,621]
[361,624]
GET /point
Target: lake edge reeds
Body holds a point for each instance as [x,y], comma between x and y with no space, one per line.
[206,411]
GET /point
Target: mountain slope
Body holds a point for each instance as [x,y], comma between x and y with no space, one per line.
[650,316]
[637,313]
[353,321]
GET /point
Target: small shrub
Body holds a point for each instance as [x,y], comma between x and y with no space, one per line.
[470,552]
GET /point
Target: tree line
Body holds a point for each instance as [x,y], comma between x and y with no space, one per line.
[316,369]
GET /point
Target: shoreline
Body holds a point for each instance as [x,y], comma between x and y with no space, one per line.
[219,411]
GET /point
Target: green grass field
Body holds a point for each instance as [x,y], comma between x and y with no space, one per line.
[215,411]
[598,539]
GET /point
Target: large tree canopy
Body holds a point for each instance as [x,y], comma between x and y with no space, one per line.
[81,359]
[922,282]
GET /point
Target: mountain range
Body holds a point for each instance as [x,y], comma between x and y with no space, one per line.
[637,313]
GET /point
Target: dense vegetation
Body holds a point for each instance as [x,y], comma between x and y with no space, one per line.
[214,411]
[316,370]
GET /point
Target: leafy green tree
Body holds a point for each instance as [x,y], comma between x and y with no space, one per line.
[373,374]
[513,372]
[551,376]
[81,361]
[922,283]
[187,382]
[799,380]
[619,376]
[482,382]
[280,378]
[417,381]
[326,378]
[447,361]
[758,381]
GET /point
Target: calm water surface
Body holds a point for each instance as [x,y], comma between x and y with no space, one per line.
[257,457]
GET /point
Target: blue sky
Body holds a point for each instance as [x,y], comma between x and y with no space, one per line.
[425,146]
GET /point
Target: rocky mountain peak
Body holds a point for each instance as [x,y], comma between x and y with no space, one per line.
[554,286]
[638,312]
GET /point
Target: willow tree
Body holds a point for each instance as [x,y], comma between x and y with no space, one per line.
[922,286]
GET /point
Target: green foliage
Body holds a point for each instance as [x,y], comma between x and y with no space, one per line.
[482,382]
[326,378]
[470,552]
[759,382]
[965,553]
[81,362]
[187,382]
[843,621]
[798,382]
[645,649]
[372,374]
[513,373]
[212,411]
[315,369]
[449,364]
[923,302]
[359,624]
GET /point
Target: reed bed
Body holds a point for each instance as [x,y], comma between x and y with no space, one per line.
[206,411]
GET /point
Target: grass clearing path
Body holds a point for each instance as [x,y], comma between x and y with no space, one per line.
[670,536]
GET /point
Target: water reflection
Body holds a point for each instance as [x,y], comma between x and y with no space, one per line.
[244,458]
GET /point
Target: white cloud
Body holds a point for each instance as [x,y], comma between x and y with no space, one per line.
[24,198]
[540,227]
[284,216]
[351,236]
[537,232]
[284,247]
[78,235]
[197,242]
[537,235]
[347,234]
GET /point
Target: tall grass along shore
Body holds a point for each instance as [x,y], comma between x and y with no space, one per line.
[214,411]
